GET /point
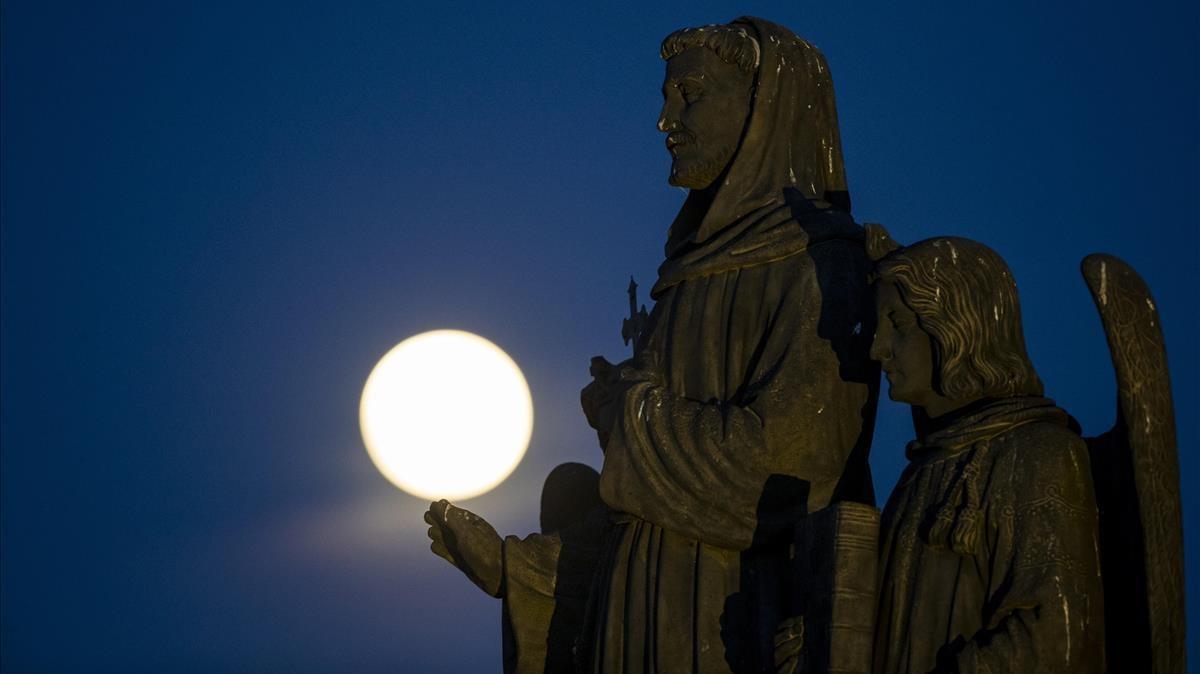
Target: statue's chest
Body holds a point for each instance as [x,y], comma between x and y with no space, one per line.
[705,332]
[922,490]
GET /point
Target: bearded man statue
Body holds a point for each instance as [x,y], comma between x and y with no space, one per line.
[750,398]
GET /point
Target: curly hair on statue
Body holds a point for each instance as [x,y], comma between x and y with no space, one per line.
[965,298]
[733,44]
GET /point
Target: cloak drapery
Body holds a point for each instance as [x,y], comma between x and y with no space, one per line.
[761,400]
[990,559]
[758,408]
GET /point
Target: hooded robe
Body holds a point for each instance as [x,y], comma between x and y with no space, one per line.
[759,398]
[757,407]
[990,558]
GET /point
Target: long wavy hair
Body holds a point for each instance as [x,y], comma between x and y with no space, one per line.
[965,298]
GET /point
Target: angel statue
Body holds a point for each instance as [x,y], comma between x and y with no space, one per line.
[1011,543]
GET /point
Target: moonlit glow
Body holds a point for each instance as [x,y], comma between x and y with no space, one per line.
[446,414]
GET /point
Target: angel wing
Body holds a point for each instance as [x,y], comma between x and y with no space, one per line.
[1135,466]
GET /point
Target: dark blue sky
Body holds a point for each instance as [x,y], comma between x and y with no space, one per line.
[217,217]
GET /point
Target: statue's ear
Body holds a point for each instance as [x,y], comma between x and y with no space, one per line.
[879,242]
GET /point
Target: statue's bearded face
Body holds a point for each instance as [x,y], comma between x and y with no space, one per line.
[705,105]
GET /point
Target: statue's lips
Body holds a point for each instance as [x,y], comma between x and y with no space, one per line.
[675,140]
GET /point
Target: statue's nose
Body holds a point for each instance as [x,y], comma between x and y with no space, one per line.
[668,118]
[879,350]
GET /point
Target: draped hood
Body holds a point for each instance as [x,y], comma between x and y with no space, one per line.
[785,187]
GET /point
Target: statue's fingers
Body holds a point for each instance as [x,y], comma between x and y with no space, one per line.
[429,518]
[441,551]
[455,514]
[462,514]
[438,509]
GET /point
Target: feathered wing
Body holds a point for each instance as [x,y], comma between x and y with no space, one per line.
[1136,470]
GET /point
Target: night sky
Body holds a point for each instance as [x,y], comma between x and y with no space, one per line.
[217,217]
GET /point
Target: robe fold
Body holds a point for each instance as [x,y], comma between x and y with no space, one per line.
[990,557]
[754,398]
[756,421]
[760,396]
[548,579]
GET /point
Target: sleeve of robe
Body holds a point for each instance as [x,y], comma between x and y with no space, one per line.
[1045,611]
[530,575]
[720,471]
[547,579]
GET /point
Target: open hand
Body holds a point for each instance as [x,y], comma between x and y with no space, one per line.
[467,541]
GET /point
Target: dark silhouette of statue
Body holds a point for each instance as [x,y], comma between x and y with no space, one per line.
[732,527]
[992,549]
[1136,470]
[544,579]
[990,558]
[750,398]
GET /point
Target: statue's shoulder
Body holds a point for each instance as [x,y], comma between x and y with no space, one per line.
[1041,457]
[837,247]
[1050,436]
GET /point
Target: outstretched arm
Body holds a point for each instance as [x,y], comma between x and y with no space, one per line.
[467,541]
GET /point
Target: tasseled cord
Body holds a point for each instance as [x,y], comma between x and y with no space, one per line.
[955,523]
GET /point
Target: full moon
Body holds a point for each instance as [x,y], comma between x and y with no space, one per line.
[446,414]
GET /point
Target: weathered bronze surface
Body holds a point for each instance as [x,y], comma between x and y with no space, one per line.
[548,576]
[733,526]
[544,579]
[834,573]
[750,398]
[1136,470]
[1011,544]
[989,558]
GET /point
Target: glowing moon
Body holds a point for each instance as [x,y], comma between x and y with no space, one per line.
[446,414]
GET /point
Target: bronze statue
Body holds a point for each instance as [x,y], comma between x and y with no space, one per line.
[750,397]
[732,527]
[992,547]
[544,579]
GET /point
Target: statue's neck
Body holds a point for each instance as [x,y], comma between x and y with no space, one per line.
[706,196]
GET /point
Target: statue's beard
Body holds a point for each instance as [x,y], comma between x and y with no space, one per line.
[700,173]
